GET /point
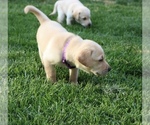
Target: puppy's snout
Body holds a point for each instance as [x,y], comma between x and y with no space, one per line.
[109,68]
[89,25]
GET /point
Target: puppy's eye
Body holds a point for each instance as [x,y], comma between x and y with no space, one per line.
[84,18]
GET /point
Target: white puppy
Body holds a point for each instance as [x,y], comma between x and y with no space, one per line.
[73,10]
[58,46]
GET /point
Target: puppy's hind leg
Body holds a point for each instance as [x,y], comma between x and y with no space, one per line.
[50,71]
[73,75]
[41,56]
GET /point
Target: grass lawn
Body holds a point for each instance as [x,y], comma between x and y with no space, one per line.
[115,99]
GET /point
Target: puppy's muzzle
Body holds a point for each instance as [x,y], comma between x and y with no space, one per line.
[89,25]
[109,69]
[104,72]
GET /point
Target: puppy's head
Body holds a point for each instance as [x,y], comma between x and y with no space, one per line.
[82,16]
[91,59]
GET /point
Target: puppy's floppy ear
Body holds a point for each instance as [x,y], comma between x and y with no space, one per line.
[76,14]
[84,57]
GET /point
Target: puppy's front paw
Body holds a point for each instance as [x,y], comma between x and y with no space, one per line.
[52,80]
[69,23]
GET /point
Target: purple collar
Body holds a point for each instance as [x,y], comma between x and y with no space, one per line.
[64,61]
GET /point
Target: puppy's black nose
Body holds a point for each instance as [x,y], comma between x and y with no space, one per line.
[89,24]
[109,69]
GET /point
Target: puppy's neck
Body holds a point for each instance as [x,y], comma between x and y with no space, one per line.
[73,49]
[64,60]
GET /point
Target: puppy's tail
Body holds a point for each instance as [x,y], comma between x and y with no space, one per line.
[39,14]
[55,9]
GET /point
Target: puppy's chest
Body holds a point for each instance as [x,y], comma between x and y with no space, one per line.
[66,63]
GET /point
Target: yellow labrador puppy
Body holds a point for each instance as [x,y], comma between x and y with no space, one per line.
[72,10]
[58,46]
